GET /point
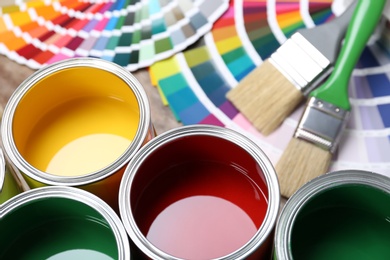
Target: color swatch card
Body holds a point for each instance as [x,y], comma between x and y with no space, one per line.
[194,83]
[131,33]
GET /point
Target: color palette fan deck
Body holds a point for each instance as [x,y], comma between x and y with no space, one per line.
[232,38]
[194,83]
[132,33]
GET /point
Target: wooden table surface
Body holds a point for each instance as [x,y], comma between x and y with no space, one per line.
[12,74]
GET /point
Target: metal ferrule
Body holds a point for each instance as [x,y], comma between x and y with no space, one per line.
[301,63]
[322,124]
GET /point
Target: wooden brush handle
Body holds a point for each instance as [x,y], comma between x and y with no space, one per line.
[363,23]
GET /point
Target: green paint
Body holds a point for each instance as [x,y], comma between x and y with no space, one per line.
[234,54]
[146,52]
[136,37]
[290,30]
[163,45]
[126,39]
[120,22]
[112,42]
[158,26]
[347,222]
[56,228]
[10,187]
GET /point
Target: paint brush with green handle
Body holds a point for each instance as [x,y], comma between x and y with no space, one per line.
[318,133]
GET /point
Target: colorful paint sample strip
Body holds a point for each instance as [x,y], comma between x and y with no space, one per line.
[189,21]
[134,34]
[224,39]
[206,82]
[369,127]
[177,91]
[257,32]
[365,144]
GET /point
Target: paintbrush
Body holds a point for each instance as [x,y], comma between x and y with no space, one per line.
[319,130]
[268,94]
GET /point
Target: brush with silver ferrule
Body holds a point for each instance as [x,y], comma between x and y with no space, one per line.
[270,93]
[322,124]
[318,133]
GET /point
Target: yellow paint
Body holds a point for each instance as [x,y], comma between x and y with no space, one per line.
[228,44]
[164,69]
[72,130]
[197,56]
[3,27]
[11,41]
[285,20]
[47,12]
[6,9]
[81,136]
[34,3]
[20,18]
[97,158]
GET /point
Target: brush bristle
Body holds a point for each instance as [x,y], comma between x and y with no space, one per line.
[265,97]
[301,162]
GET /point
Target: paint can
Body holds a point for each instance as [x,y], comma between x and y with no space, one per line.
[200,192]
[9,185]
[77,123]
[339,215]
[59,222]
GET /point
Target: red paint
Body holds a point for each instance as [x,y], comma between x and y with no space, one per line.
[75,43]
[28,51]
[77,24]
[61,20]
[201,203]
[46,36]
[201,227]
[43,56]
[82,7]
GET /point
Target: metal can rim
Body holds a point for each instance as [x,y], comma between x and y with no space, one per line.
[50,179]
[2,169]
[210,130]
[82,196]
[319,184]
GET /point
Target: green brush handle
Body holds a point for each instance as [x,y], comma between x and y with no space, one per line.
[363,22]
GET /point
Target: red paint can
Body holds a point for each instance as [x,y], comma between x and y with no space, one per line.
[200,192]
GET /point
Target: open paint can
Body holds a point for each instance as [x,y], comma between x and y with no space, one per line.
[200,192]
[339,215]
[9,185]
[59,222]
[77,123]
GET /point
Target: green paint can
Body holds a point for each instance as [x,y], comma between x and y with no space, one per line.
[9,185]
[60,222]
[340,215]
